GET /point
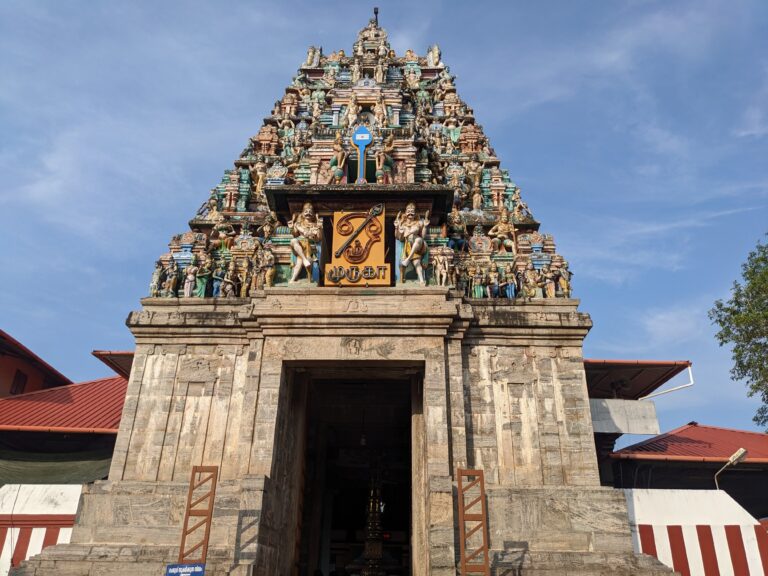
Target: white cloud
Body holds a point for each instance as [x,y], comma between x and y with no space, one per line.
[545,74]
[754,121]
[620,250]
[678,324]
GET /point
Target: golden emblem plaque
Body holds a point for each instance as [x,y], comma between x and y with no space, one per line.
[358,255]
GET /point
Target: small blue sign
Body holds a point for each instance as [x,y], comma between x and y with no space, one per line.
[185,570]
[361,138]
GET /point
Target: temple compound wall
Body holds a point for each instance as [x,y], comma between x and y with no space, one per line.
[500,386]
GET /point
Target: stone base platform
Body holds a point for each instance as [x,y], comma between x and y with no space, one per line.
[117,560]
[77,560]
[526,563]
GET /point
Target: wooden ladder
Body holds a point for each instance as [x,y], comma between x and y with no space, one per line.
[473,523]
[197,518]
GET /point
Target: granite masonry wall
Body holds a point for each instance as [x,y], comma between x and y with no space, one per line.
[502,389]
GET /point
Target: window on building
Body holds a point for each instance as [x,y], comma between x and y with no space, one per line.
[19,382]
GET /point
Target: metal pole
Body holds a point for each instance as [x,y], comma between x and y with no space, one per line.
[717,485]
[690,383]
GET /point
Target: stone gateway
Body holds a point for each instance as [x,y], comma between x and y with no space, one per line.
[338,372]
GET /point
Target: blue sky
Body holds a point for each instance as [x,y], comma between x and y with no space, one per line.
[637,130]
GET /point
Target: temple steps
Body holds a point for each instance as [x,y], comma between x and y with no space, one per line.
[541,563]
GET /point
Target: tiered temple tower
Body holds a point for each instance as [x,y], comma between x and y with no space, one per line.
[363,306]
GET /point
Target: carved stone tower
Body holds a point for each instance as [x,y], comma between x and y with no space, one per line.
[363,306]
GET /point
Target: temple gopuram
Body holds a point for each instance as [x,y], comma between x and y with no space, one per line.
[363,357]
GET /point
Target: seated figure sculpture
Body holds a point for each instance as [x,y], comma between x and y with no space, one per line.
[411,231]
[503,234]
[306,235]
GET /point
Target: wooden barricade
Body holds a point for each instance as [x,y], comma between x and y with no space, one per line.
[197,518]
[473,523]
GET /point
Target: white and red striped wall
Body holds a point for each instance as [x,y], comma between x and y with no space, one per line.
[33,517]
[698,532]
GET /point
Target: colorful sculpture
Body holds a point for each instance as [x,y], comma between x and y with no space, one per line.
[423,134]
[411,230]
[502,235]
[307,235]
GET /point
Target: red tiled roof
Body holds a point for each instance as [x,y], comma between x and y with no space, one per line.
[12,347]
[87,407]
[629,379]
[696,443]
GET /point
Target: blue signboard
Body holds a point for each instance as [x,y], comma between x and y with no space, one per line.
[185,570]
[361,138]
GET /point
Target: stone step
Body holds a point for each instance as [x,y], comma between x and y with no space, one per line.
[112,560]
[519,562]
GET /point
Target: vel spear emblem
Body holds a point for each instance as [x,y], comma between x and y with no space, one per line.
[372,213]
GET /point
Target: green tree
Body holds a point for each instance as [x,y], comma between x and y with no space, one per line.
[743,323]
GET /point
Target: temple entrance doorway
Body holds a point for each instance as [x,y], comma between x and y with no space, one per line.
[357,477]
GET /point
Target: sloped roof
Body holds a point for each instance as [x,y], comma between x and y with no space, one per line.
[629,379]
[11,347]
[87,407]
[119,360]
[698,443]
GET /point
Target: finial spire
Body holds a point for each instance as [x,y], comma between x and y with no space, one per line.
[376,15]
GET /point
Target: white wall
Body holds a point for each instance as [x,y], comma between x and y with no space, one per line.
[654,511]
[24,507]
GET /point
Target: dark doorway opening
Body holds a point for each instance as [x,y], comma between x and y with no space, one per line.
[357,457]
[370,170]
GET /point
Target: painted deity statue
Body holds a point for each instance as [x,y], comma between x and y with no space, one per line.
[267,265]
[547,281]
[457,230]
[441,266]
[218,278]
[229,284]
[531,281]
[213,208]
[155,284]
[307,234]
[384,161]
[244,277]
[355,71]
[520,211]
[380,112]
[564,279]
[268,227]
[171,279]
[353,110]
[411,231]
[338,160]
[477,200]
[509,284]
[382,51]
[190,279]
[203,277]
[433,56]
[380,73]
[479,281]
[494,281]
[317,110]
[474,171]
[503,235]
